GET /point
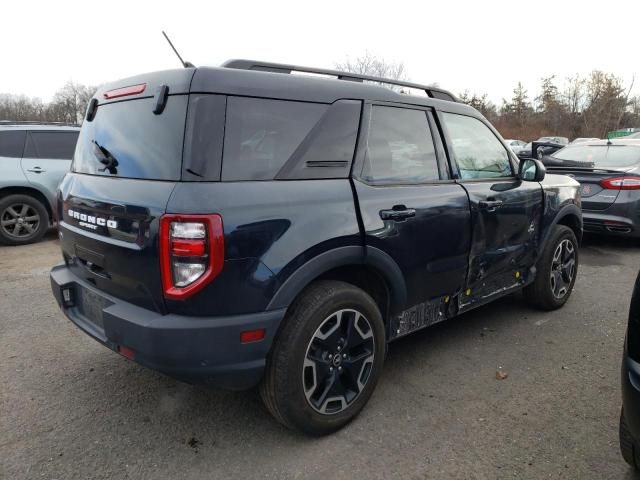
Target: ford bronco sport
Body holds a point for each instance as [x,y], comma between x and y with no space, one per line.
[245,226]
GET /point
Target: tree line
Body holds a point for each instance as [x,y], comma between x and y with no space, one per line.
[586,106]
[68,105]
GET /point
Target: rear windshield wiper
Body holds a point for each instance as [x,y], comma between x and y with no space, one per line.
[106,158]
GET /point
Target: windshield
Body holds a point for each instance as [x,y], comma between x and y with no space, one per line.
[600,156]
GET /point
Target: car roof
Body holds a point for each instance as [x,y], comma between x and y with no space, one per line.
[233,81]
[281,86]
[39,126]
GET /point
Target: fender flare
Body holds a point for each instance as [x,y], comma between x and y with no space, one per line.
[565,211]
[341,257]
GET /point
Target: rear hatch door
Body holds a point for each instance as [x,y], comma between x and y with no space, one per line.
[127,162]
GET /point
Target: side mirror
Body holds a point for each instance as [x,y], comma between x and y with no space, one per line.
[531,170]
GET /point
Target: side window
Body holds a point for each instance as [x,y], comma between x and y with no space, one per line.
[478,152]
[11,143]
[400,147]
[55,145]
[261,135]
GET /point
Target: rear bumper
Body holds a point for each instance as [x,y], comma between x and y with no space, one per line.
[610,223]
[621,218]
[631,395]
[193,349]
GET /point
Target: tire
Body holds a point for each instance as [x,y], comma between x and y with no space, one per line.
[320,326]
[23,219]
[546,291]
[628,446]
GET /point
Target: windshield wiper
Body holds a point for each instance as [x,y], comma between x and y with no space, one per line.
[106,158]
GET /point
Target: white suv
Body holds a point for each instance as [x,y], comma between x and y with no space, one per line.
[33,160]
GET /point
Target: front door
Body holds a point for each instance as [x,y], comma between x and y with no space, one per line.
[412,210]
[505,211]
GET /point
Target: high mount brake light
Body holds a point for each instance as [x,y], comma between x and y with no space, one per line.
[125,91]
[191,253]
[621,183]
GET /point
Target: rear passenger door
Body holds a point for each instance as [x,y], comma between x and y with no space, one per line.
[505,211]
[410,207]
[47,158]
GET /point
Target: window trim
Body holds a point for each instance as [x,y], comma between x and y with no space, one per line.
[452,158]
[363,143]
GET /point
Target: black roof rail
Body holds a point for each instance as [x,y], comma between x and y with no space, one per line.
[433,92]
[36,122]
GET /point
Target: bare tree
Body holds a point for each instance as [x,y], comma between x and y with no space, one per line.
[377,67]
[69,105]
[70,102]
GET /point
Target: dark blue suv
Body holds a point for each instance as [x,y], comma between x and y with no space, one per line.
[247,225]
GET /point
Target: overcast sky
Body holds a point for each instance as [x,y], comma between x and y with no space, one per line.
[483,46]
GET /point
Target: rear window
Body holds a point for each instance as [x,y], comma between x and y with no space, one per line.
[12,144]
[54,145]
[603,156]
[126,139]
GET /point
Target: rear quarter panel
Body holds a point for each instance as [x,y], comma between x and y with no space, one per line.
[271,228]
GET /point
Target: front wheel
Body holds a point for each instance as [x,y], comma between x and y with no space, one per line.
[326,360]
[556,270]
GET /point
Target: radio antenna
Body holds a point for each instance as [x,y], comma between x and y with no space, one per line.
[184,64]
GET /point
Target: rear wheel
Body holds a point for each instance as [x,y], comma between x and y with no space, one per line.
[556,270]
[23,219]
[628,446]
[326,360]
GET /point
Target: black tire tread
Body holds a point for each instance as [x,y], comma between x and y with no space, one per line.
[273,385]
[628,448]
[537,293]
[42,211]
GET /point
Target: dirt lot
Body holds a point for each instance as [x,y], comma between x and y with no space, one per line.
[69,408]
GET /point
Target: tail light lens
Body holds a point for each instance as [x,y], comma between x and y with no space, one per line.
[191,253]
[621,183]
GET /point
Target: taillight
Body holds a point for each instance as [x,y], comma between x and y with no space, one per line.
[191,253]
[621,183]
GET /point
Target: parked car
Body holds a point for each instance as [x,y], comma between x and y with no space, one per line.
[582,140]
[630,414]
[33,160]
[515,145]
[241,226]
[543,146]
[609,174]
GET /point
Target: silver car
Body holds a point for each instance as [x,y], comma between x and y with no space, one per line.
[33,160]
[609,174]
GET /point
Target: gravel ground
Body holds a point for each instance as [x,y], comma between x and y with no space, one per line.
[69,408]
